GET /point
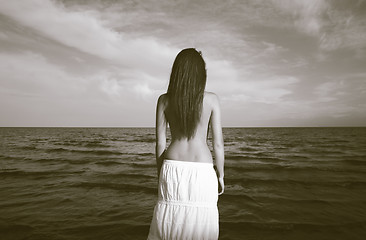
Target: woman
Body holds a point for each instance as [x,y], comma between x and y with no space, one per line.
[188,186]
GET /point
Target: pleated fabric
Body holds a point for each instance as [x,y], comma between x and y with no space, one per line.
[187,202]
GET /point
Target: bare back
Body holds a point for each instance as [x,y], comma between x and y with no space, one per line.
[195,149]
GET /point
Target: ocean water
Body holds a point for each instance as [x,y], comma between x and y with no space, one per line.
[100,183]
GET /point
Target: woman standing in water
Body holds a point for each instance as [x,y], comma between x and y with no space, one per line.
[188,186]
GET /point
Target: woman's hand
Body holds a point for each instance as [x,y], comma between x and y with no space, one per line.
[222,185]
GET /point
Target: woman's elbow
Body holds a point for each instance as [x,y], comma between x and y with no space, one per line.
[219,146]
[160,144]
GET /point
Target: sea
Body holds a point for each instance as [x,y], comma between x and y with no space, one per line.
[101,183]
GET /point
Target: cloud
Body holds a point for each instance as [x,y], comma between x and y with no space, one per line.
[31,74]
[269,90]
[343,30]
[348,89]
[244,86]
[325,91]
[3,36]
[86,33]
[35,92]
[71,28]
[135,85]
[111,86]
[336,25]
[307,15]
[143,90]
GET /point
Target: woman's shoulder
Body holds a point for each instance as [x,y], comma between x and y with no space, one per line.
[163,98]
[211,97]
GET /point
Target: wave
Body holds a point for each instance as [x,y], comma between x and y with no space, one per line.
[281,225]
[117,186]
[117,229]
[47,160]
[324,150]
[131,175]
[254,166]
[98,152]
[146,154]
[143,165]
[8,230]
[28,148]
[5,157]
[270,167]
[95,145]
[248,149]
[94,152]
[289,145]
[147,140]
[302,202]
[37,174]
[297,157]
[354,161]
[107,163]
[270,182]
[245,157]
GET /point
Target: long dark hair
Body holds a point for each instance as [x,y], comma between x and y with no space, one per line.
[186,88]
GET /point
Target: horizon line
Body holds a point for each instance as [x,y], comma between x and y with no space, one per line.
[168,127]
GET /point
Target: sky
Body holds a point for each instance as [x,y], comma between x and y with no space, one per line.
[96,63]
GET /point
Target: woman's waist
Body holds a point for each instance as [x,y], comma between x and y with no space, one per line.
[193,152]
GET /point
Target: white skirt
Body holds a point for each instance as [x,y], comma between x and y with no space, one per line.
[187,202]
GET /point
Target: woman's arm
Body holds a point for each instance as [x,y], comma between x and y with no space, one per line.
[160,128]
[218,141]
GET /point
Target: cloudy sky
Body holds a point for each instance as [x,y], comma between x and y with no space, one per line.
[104,63]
